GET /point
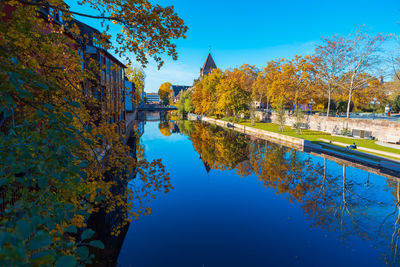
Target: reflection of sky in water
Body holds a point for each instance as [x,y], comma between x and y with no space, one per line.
[152,134]
[222,219]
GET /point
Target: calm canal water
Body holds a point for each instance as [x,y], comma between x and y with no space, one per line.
[240,201]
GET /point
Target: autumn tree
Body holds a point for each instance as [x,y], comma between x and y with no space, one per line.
[299,73]
[197,97]
[185,103]
[231,97]
[264,84]
[246,76]
[204,93]
[165,93]
[291,81]
[188,104]
[260,89]
[374,89]
[134,18]
[396,104]
[137,76]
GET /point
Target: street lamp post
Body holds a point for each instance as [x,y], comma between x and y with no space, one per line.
[374,102]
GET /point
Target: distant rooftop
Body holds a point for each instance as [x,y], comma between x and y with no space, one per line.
[178,88]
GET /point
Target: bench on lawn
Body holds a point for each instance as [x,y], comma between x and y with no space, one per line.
[302,125]
[361,134]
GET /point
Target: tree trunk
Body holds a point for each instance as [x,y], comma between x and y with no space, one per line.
[252,113]
[350,95]
[329,103]
[349,103]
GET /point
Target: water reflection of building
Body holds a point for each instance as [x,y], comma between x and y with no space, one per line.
[174,127]
[140,127]
[206,165]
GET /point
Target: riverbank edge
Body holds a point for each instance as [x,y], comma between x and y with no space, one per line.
[385,164]
[286,140]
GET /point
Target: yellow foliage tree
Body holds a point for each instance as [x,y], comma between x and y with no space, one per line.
[264,84]
[204,94]
[231,98]
[137,76]
[165,93]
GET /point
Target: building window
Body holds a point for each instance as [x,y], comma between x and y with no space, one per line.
[60,16]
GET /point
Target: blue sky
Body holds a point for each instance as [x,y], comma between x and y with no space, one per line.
[255,32]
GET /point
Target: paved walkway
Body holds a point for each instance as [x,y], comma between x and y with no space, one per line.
[363,148]
[376,116]
[388,145]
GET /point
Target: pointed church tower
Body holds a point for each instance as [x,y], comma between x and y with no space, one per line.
[208,66]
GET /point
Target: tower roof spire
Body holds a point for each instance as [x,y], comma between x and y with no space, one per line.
[208,66]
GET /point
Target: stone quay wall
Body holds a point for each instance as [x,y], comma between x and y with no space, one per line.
[383,130]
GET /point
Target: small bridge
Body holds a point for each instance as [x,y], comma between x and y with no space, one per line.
[156,108]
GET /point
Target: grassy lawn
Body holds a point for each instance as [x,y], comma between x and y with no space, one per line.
[314,137]
[306,134]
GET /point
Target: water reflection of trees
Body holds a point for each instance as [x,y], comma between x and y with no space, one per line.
[348,205]
[164,128]
[221,150]
[105,224]
[112,221]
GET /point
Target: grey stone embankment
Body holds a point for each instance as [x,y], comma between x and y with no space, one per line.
[382,130]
